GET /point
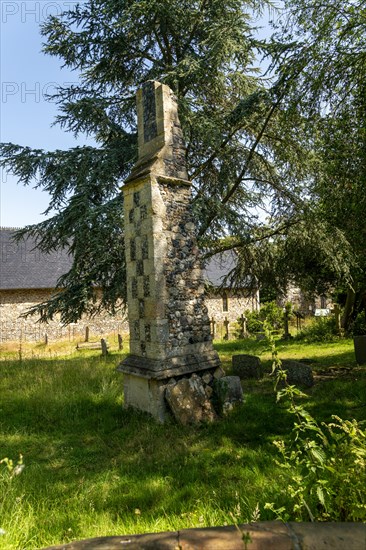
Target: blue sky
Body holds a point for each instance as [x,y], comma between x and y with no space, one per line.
[26,117]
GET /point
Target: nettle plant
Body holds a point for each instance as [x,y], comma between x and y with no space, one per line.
[324,465]
[8,471]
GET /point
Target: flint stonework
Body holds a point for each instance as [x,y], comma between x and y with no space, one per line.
[169,324]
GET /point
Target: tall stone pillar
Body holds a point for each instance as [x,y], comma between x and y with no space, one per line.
[169,325]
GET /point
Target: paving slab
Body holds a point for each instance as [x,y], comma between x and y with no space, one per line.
[252,536]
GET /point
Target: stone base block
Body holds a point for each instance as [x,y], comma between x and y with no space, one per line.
[146,395]
[190,401]
[162,369]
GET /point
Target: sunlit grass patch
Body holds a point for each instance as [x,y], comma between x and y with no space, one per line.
[93,468]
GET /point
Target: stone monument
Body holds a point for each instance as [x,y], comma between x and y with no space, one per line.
[169,326]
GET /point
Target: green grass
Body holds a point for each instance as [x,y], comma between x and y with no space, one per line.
[93,468]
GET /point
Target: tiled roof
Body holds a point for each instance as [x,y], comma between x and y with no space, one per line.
[23,266]
[217,268]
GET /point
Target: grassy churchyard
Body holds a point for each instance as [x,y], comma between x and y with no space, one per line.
[93,468]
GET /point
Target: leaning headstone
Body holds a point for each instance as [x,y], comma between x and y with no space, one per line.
[247,366]
[298,374]
[228,392]
[189,401]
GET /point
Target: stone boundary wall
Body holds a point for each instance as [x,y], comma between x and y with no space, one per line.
[15,302]
[237,305]
[15,328]
[303,303]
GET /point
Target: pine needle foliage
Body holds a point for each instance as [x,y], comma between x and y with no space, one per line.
[205,51]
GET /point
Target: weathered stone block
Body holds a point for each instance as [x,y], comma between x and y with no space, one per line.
[146,395]
[298,373]
[219,373]
[247,366]
[189,401]
[228,392]
[207,378]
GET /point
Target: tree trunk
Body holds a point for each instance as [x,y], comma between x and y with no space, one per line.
[348,309]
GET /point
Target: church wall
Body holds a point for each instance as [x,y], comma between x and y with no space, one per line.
[13,303]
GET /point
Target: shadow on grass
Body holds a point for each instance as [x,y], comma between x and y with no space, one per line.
[85,454]
[67,419]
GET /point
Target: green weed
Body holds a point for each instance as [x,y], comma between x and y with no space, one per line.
[324,464]
[94,468]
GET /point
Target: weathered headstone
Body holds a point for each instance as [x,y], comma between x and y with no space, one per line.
[168,320]
[104,347]
[298,373]
[213,325]
[243,326]
[247,366]
[226,325]
[228,392]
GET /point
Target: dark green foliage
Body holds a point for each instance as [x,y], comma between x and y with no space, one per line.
[358,327]
[321,329]
[327,461]
[205,52]
[269,312]
[320,56]
[294,151]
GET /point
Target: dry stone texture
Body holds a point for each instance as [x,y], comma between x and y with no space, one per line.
[190,401]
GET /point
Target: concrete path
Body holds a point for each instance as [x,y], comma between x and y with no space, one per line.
[255,536]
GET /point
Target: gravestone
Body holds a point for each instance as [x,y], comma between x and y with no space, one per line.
[298,373]
[169,325]
[229,393]
[246,366]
